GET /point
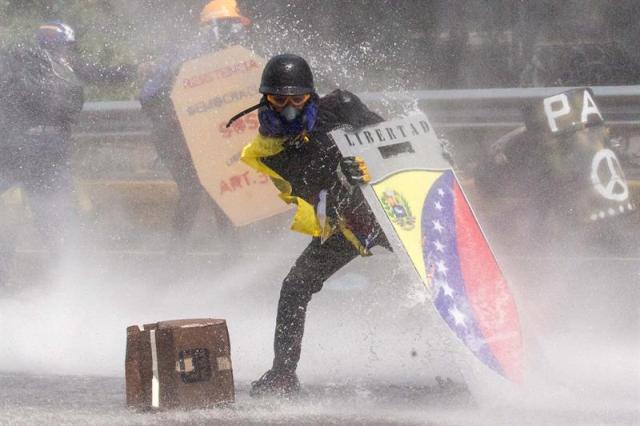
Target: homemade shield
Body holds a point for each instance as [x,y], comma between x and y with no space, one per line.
[207,92]
[419,204]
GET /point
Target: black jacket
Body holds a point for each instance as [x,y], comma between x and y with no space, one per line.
[311,167]
[38,89]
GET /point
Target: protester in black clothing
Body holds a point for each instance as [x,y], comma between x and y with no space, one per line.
[220,26]
[42,92]
[293,148]
[563,169]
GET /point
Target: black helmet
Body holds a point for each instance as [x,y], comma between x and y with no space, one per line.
[286,74]
[55,34]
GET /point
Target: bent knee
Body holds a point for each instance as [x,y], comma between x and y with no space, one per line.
[300,287]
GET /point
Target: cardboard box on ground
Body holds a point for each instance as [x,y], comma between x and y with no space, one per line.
[179,364]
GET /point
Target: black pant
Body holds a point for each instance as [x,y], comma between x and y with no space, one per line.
[312,268]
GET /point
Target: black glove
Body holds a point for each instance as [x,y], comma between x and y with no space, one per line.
[353,170]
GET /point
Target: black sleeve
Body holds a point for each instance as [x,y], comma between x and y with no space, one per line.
[358,114]
[349,109]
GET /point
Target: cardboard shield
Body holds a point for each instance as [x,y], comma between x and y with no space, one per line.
[207,92]
[422,209]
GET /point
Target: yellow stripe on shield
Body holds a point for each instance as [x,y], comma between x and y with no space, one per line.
[402,197]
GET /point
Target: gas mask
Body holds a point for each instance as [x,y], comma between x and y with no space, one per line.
[289,121]
[226,32]
[291,113]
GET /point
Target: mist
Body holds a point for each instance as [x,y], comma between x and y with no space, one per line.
[369,344]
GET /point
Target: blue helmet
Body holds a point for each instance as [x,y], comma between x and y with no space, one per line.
[55,34]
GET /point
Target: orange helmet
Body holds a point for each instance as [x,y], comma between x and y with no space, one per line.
[221,9]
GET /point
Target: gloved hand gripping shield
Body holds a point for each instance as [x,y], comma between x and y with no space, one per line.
[336,203]
[353,171]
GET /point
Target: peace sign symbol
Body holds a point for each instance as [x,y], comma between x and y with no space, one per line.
[607,176]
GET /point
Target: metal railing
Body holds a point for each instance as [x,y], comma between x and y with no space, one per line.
[477,107]
[124,183]
[118,132]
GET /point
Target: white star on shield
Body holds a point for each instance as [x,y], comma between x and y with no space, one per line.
[446,289]
[442,267]
[458,316]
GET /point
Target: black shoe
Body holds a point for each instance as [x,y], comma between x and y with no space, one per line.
[276,383]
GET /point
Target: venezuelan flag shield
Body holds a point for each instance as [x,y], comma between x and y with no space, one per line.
[434,222]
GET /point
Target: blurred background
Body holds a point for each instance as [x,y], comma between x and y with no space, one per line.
[469,65]
[381,44]
[372,47]
[397,55]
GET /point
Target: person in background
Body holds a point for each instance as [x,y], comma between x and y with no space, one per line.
[563,168]
[221,25]
[42,92]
